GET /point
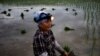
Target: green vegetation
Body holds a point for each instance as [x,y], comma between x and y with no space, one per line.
[66,48]
[46,2]
[68,29]
[69,51]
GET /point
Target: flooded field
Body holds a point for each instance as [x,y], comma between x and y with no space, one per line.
[17,29]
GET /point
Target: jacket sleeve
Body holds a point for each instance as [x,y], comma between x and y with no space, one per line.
[57,45]
[59,48]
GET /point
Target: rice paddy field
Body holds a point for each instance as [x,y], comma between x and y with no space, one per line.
[77,25]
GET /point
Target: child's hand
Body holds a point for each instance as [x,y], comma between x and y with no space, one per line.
[65,54]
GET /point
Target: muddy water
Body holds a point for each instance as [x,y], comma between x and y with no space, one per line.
[13,43]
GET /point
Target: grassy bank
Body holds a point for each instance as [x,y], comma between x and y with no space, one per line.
[45,2]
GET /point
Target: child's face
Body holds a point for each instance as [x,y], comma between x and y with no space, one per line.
[46,24]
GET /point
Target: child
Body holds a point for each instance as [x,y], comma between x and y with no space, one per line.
[44,43]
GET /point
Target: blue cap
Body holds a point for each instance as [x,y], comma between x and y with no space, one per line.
[41,15]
